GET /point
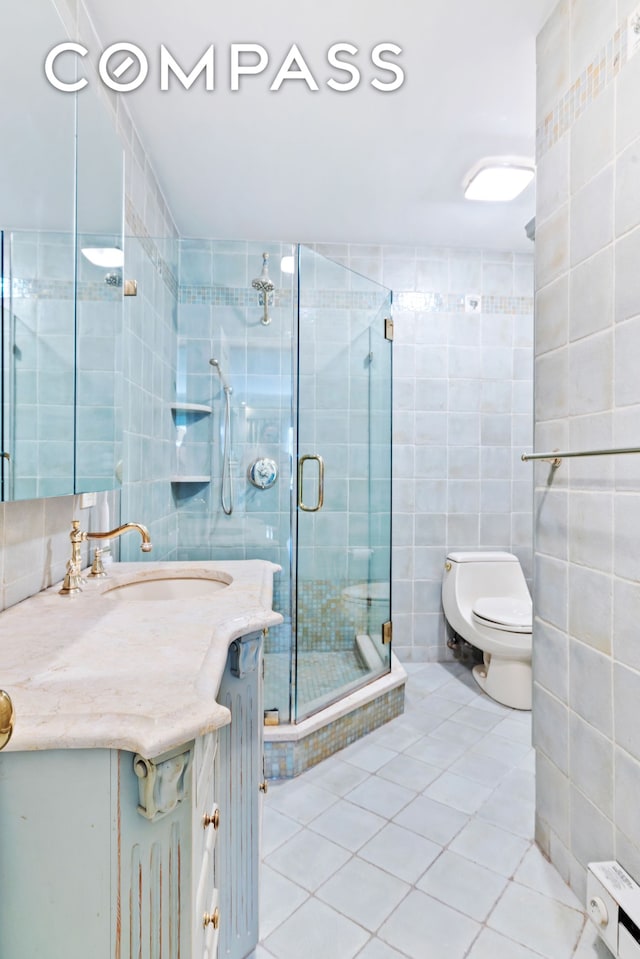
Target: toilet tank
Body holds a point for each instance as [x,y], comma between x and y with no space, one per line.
[472,575]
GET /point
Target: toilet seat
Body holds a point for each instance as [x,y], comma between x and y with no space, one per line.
[503,612]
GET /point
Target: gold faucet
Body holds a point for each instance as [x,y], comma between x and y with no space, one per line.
[73,581]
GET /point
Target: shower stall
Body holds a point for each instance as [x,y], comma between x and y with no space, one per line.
[284,396]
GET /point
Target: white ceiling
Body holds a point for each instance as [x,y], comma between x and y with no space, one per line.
[361,166]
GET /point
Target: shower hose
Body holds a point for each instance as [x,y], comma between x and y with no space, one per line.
[226,490]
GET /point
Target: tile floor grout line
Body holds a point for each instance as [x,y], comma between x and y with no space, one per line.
[513,772]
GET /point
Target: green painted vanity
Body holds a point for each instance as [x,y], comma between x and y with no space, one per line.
[130,789]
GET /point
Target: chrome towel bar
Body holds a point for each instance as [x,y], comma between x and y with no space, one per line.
[555,457]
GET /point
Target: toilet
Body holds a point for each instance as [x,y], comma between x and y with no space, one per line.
[487,603]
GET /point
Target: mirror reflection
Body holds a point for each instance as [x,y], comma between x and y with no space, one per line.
[37,173]
[61,186]
[99,290]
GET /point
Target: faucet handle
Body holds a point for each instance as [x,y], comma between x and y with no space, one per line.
[73,581]
[97,569]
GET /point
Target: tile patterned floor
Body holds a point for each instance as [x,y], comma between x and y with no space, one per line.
[320,674]
[417,842]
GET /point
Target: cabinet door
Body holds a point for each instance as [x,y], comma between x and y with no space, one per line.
[56,849]
[154,862]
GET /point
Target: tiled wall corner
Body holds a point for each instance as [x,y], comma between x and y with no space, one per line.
[149,375]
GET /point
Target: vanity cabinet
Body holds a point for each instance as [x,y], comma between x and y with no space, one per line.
[110,854]
[239,777]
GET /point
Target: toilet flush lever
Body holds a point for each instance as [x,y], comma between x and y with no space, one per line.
[447,566]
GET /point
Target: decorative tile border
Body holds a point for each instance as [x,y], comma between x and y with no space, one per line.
[310,299]
[98,291]
[340,299]
[419,302]
[602,70]
[190,295]
[42,289]
[63,290]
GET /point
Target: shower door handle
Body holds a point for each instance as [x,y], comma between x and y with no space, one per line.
[320,462]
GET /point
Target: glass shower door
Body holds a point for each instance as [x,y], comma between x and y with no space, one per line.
[343,490]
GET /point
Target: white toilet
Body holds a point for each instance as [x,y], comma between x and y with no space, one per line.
[486,601]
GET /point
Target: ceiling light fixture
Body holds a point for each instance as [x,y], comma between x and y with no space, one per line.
[498,179]
[108,257]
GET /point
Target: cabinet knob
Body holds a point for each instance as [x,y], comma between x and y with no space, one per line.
[7,716]
[264,786]
[211,820]
[211,918]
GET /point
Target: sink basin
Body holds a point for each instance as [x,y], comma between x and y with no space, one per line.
[170,586]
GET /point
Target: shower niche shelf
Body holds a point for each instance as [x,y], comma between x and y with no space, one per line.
[186,415]
[190,479]
[191,408]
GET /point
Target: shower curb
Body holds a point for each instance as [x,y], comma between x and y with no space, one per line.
[291,749]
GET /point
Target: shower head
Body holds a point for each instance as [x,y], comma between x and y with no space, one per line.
[264,283]
[265,287]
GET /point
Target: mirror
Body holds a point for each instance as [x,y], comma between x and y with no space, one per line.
[37,185]
[60,170]
[99,303]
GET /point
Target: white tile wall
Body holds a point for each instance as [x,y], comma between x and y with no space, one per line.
[554,49]
[591,141]
[587,517]
[552,246]
[590,306]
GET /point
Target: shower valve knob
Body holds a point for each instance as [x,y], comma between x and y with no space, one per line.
[263,472]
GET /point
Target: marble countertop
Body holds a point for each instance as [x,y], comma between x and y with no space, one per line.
[94,671]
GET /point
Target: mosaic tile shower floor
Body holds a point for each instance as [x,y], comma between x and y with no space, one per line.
[320,674]
[416,842]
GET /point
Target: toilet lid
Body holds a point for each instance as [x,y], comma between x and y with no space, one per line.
[504,612]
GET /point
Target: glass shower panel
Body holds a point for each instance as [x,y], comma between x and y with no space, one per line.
[220,317]
[342,592]
[314,381]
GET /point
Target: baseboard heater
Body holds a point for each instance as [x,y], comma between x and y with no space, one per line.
[613,905]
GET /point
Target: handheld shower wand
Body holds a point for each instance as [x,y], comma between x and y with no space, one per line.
[226,489]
